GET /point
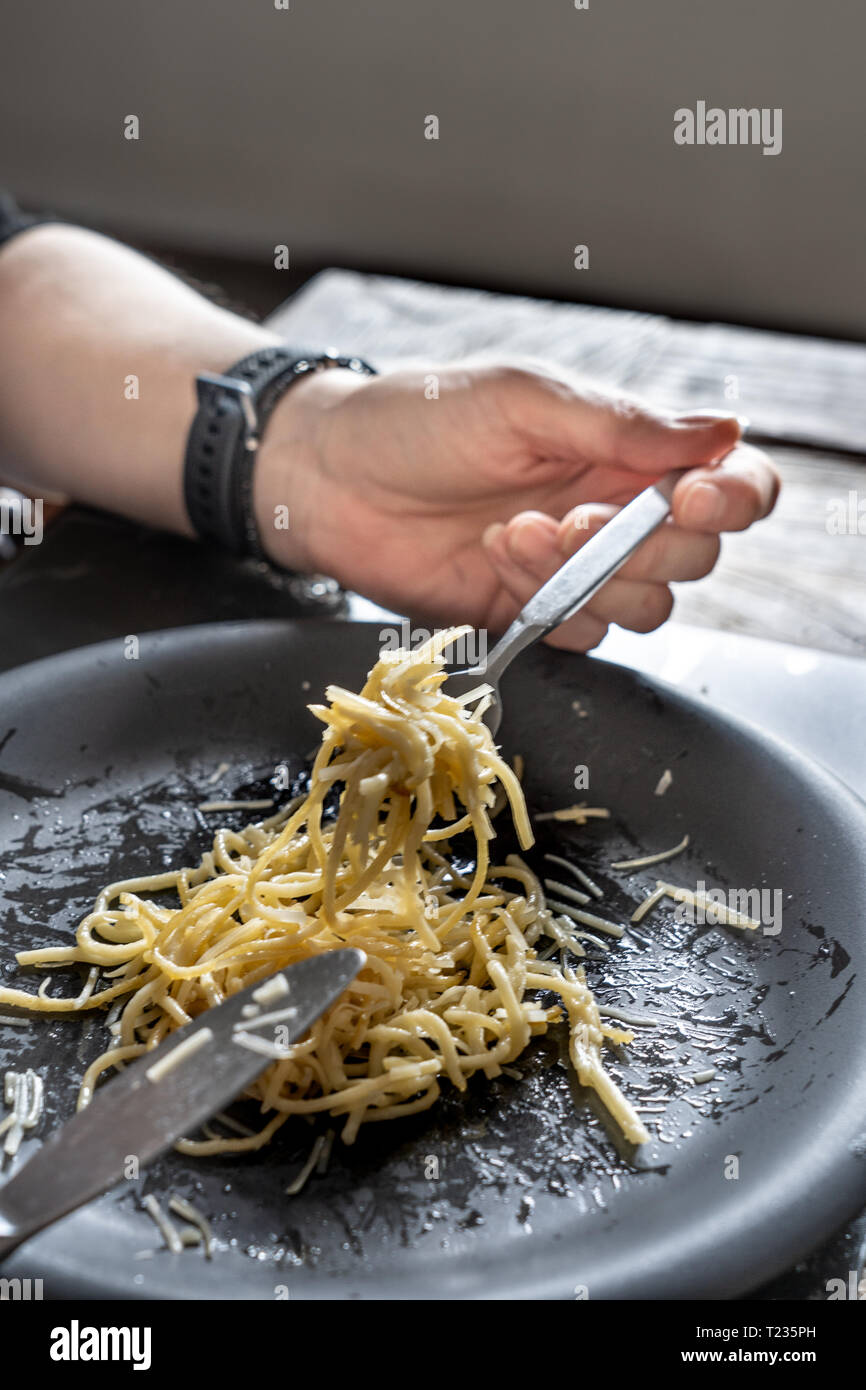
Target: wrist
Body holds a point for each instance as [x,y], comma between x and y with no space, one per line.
[290,465]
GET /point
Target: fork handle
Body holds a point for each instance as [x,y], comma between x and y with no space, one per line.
[575,582]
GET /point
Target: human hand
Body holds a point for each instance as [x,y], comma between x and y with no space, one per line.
[456,509]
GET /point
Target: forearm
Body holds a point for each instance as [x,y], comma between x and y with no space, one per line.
[81,316]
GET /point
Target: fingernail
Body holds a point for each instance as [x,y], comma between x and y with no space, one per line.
[704,505]
[529,545]
[704,417]
[576,532]
[493,531]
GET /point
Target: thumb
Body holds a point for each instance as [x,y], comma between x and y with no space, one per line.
[621,432]
[652,442]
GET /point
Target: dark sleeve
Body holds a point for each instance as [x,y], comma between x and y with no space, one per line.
[13,220]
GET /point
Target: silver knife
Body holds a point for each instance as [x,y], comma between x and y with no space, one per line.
[169,1092]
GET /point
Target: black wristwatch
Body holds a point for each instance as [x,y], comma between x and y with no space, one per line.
[233,411]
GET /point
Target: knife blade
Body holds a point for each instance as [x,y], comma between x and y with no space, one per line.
[167,1093]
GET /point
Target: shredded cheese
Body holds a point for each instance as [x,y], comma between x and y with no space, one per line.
[648,904]
[23,1092]
[166,1227]
[573,895]
[587,919]
[664,782]
[300,1181]
[271,990]
[278,1016]
[635,1020]
[652,858]
[202,1226]
[260,1045]
[579,814]
[580,874]
[714,912]
[184,1050]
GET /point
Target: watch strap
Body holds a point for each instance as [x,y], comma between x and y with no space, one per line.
[232,414]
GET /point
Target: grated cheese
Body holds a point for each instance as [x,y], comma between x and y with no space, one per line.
[635,1020]
[278,1016]
[187,1048]
[260,1045]
[23,1092]
[578,813]
[716,913]
[271,990]
[652,858]
[166,1228]
[573,895]
[648,903]
[198,1222]
[301,1180]
[664,782]
[579,874]
[325,1155]
[587,919]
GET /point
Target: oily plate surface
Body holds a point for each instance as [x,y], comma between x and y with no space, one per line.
[517,1188]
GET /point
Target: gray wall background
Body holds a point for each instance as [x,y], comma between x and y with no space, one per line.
[306,127]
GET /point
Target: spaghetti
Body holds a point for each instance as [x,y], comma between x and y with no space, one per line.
[453,984]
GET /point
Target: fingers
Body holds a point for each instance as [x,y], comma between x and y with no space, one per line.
[741,489]
[526,552]
[580,634]
[639,606]
[529,541]
[726,497]
[520,578]
[670,555]
[538,545]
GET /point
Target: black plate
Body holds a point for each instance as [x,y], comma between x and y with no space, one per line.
[519,1188]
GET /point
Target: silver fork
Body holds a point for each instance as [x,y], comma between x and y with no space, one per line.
[573,585]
